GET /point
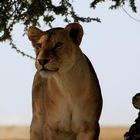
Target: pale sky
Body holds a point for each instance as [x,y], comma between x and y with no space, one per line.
[113,47]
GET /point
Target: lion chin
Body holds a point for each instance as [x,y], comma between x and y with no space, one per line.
[43,72]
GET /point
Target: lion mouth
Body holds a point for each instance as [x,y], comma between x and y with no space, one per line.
[43,69]
[48,70]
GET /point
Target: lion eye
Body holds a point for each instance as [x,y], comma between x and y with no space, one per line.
[58,45]
[38,46]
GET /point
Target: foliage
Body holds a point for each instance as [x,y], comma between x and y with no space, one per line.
[117,4]
[28,12]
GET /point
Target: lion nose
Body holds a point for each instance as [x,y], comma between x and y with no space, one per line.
[43,61]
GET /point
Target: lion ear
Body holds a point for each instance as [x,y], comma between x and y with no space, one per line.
[75,31]
[34,35]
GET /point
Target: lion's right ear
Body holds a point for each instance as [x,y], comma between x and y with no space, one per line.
[34,35]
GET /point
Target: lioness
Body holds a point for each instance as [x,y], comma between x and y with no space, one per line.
[66,95]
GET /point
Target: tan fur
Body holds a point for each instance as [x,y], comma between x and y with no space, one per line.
[66,94]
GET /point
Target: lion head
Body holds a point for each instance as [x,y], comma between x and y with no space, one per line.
[56,48]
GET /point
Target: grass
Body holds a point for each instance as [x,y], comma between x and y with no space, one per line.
[22,133]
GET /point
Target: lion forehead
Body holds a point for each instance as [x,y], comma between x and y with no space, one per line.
[53,35]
